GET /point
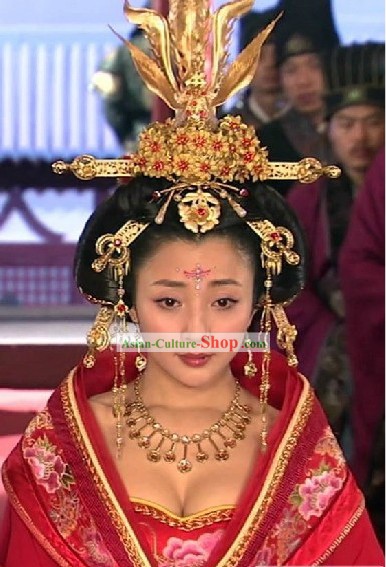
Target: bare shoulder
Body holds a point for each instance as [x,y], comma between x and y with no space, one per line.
[101,401]
[101,404]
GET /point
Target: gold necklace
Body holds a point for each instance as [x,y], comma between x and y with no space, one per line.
[151,435]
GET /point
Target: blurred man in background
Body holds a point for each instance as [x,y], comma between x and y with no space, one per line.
[356,129]
[305,31]
[263,101]
[127,102]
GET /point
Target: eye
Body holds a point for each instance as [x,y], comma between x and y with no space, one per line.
[167,302]
[345,124]
[225,302]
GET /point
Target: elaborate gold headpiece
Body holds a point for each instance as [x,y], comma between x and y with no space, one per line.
[199,155]
[189,70]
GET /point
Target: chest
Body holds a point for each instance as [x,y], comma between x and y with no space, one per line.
[208,484]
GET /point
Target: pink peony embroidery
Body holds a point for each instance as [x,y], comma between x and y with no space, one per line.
[317,492]
[47,467]
[95,547]
[262,558]
[190,553]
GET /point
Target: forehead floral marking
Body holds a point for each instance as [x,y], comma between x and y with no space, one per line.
[198,273]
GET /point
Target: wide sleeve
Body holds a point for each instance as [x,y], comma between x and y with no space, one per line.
[359,547]
[18,547]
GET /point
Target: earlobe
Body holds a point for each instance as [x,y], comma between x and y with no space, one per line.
[133,315]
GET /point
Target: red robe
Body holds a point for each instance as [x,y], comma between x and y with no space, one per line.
[312,317]
[70,508]
[362,275]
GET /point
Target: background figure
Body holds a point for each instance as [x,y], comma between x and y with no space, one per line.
[362,275]
[127,102]
[305,31]
[263,100]
[355,112]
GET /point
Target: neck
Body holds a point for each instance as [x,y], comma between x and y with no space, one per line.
[316,118]
[267,101]
[356,177]
[160,388]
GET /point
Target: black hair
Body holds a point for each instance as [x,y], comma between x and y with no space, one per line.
[134,201]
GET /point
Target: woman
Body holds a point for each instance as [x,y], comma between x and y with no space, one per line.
[196,458]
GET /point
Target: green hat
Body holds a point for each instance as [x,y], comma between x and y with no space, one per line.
[307,26]
[355,75]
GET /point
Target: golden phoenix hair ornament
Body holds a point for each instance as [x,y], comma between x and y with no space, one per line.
[190,71]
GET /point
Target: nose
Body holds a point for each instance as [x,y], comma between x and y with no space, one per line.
[197,320]
[359,131]
[303,77]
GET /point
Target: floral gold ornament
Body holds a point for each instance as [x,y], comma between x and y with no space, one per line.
[276,244]
[162,444]
[113,249]
[199,210]
[230,152]
[98,338]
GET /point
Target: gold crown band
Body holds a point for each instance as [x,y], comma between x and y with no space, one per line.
[87,167]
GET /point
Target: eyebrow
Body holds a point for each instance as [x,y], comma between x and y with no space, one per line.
[212,283]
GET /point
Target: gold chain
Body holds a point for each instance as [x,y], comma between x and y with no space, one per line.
[219,437]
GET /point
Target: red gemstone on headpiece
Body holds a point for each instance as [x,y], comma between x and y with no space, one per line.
[182,139]
[117,242]
[155,146]
[159,165]
[183,165]
[275,236]
[246,142]
[244,193]
[141,161]
[201,212]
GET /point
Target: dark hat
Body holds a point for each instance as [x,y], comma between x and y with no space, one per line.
[253,22]
[355,75]
[307,26]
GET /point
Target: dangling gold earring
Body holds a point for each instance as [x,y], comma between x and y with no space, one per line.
[250,367]
[119,398]
[140,359]
[120,386]
[286,334]
[276,246]
[265,328]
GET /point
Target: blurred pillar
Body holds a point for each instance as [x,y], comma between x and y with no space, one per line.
[160,111]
